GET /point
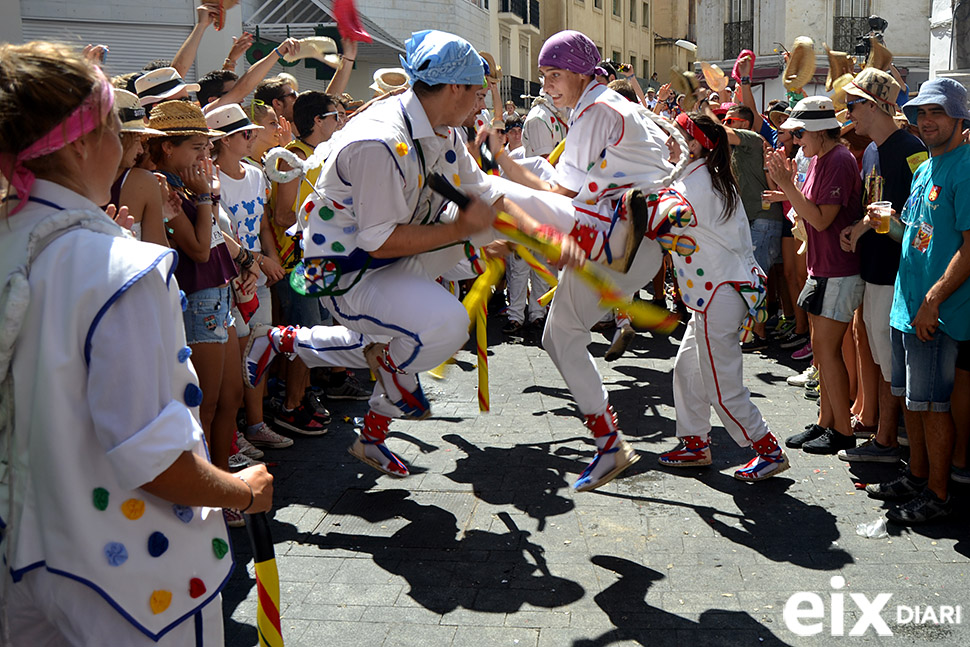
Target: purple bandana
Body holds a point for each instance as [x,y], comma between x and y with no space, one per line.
[570,50]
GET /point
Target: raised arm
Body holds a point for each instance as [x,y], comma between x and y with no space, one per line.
[205,14]
[338,84]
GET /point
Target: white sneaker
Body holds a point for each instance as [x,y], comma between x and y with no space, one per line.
[810,373]
[247,448]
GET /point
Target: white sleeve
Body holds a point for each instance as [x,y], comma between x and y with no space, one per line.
[474,181]
[377,189]
[140,422]
[598,127]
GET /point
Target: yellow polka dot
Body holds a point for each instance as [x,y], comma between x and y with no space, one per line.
[402,149]
[603,164]
[457,179]
[690,283]
[420,180]
[133,508]
[591,202]
[160,601]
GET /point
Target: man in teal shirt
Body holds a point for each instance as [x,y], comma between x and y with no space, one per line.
[931,302]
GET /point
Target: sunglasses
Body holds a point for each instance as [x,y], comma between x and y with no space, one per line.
[330,114]
[849,105]
[291,93]
[798,134]
[731,120]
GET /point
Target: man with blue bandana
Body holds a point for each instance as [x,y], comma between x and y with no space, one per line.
[377,238]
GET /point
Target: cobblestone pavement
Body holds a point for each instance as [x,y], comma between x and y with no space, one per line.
[485,544]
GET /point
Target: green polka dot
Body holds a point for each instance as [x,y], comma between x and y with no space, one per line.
[220,547]
[337,247]
[325,213]
[101,498]
[700,272]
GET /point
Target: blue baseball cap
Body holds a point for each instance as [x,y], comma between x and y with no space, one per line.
[947,93]
[437,57]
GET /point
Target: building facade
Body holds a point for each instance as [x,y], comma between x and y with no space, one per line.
[768,27]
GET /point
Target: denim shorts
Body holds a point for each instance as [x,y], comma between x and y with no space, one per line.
[298,310]
[766,238]
[208,316]
[923,371]
[263,314]
[835,297]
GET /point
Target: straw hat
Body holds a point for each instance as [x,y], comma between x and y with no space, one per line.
[132,115]
[221,19]
[161,84]
[838,90]
[176,118]
[290,80]
[839,63]
[879,55]
[229,120]
[801,64]
[685,83]
[494,69]
[716,80]
[388,79]
[319,47]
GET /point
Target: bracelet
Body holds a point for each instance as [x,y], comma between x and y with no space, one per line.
[241,256]
[344,58]
[745,80]
[202,197]
[248,260]
[277,50]
[215,199]
[252,495]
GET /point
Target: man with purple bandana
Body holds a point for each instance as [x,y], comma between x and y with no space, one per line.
[613,151]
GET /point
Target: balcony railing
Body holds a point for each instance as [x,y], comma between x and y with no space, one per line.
[846,30]
[534,13]
[518,7]
[512,88]
[738,36]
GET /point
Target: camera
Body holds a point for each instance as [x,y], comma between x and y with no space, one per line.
[877,26]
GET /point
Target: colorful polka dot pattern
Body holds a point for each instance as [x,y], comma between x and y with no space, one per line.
[116,553]
[100,498]
[133,509]
[219,548]
[157,544]
[159,601]
[183,512]
[184,354]
[196,588]
[401,148]
[192,395]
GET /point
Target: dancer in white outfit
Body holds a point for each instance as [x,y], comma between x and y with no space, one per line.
[722,284]
[612,150]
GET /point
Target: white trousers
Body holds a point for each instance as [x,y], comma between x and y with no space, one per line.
[400,304]
[525,286]
[47,610]
[708,372]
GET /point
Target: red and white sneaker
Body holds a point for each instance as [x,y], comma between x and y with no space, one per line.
[265,342]
[695,451]
[402,389]
[369,448]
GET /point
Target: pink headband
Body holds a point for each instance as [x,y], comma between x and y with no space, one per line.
[88,116]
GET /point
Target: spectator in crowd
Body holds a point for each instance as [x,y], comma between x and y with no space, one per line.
[278,95]
[887,170]
[513,137]
[509,110]
[829,202]
[162,84]
[105,429]
[931,302]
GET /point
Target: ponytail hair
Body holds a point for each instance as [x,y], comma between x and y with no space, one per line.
[718,161]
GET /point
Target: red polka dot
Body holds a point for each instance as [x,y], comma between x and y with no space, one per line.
[308,207]
[593,187]
[687,260]
[708,285]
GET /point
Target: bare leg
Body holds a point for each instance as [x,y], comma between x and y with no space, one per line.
[869,374]
[827,336]
[960,409]
[938,433]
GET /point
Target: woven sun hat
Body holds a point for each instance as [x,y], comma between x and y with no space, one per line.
[880,57]
[161,84]
[131,114]
[177,118]
[801,64]
[494,69]
[685,83]
[814,114]
[716,80]
[388,79]
[230,120]
[840,63]
[876,86]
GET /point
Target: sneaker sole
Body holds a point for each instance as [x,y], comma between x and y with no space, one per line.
[633,457]
[863,458]
[701,462]
[271,445]
[295,429]
[367,460]
[358,398]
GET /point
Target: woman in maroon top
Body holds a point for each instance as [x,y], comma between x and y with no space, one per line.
[830,200]
[205,267]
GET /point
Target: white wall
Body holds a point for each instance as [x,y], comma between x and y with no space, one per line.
[941,37]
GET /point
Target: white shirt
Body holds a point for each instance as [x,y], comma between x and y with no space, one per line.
[244,200]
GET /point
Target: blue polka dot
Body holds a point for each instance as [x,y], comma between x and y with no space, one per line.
[619,174]
[183,512]
[184,301]
[700,302]
[319,239]
[192,395]
[351,229]
[686,298]
[184,354]
[349,202]
[157,544]
[451,156]
[116,553]
[680,272]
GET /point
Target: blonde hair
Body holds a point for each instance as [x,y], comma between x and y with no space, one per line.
[41,84]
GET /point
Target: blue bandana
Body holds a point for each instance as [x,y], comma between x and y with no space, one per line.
[436,57]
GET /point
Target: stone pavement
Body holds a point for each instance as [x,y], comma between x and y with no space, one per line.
[485,544]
